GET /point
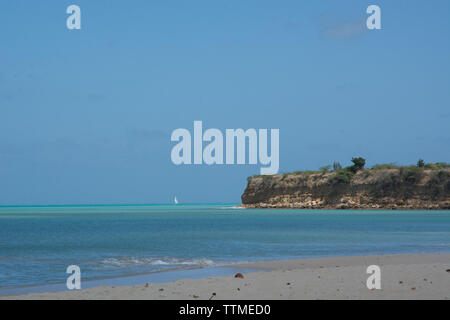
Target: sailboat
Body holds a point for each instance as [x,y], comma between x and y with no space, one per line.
[175,200]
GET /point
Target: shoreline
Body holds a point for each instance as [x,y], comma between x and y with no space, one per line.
[294,206]
[140,278]
[403,276]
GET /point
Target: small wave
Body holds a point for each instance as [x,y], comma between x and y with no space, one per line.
[131,261]
[231,207]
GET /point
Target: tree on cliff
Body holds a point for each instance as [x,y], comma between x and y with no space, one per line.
[345,175]
[358,164]
[337,166]
[421,163]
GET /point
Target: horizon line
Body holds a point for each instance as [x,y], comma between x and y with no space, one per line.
[113,204]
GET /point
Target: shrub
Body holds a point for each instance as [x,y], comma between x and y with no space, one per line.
[343,176]
[437,166]
[337,166]
[305,172]
[439,178]
[411,174]
[421,163]
[385,166]
[251,177]
[325,169]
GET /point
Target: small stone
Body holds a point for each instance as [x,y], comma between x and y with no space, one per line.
[413,289]
[212,295]
[161,289]
[239,275]
[195,297]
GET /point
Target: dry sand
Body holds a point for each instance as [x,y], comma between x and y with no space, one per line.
[421,276]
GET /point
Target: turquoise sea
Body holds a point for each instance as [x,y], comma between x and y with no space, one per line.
[38,243]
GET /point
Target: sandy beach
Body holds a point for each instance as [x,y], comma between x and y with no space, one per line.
[418,276]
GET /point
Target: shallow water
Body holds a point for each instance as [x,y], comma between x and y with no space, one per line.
[38,243]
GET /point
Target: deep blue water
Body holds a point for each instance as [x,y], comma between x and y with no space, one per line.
[38,243]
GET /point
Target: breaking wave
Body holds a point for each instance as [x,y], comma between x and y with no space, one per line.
[132,261]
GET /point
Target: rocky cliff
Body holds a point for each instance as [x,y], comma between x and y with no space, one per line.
[399,188]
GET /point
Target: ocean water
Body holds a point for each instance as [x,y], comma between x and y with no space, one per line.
[38,243]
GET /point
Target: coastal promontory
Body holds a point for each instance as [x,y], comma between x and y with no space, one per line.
[388,186]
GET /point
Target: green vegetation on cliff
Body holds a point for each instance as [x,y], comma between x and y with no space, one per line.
[420,186]
[409,173]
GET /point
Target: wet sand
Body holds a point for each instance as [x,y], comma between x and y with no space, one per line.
[414,276]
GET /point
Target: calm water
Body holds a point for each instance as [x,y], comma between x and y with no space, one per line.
[38,243]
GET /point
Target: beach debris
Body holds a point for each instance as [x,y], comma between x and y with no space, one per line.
[448,270]
[400,282]
[195,297]
[239,275]
[212,295]
[161,289]
[288,283]
[413,289]
[238,289]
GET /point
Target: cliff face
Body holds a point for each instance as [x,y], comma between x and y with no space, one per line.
[403,188]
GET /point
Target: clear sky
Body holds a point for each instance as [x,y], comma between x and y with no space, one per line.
[86,115]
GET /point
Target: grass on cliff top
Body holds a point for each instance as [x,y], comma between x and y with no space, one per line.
[409,174]
[427,166]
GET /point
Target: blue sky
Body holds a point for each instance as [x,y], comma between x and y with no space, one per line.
[86,116]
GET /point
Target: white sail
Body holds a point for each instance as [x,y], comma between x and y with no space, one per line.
[175,200]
